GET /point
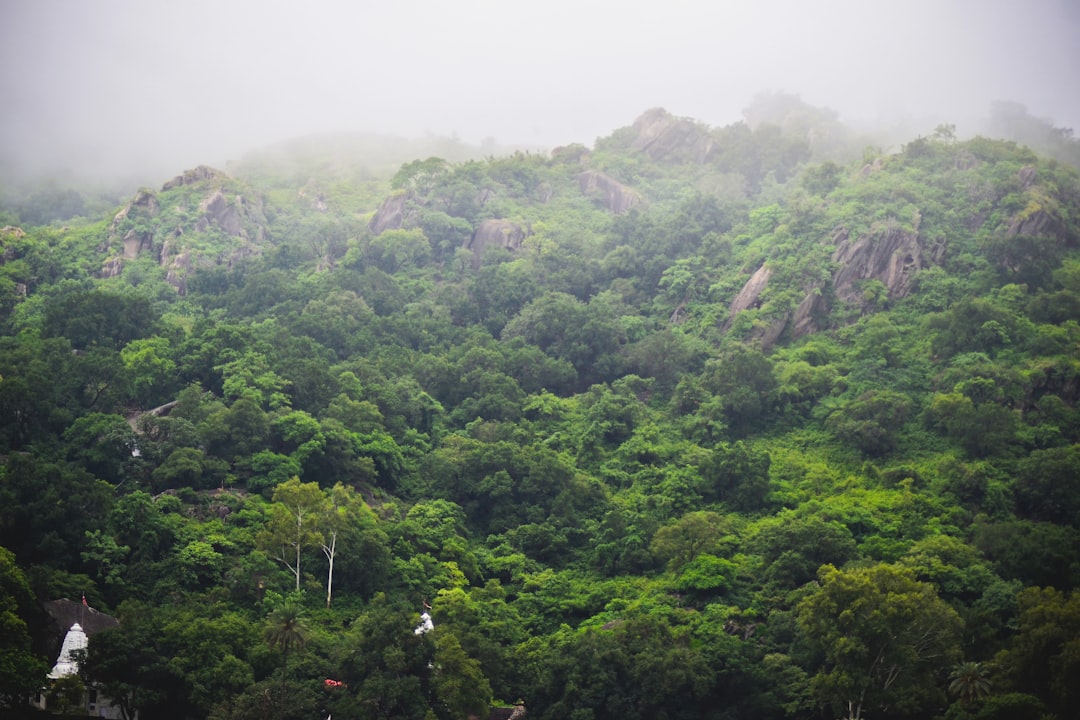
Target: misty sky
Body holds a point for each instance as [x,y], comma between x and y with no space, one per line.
[140,83]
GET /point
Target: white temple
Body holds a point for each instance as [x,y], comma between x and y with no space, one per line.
[66,663]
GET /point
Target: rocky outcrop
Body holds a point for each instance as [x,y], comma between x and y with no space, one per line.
[131,226]
[1027,175]
[216,210]
[890,254]
[748,296]
[611,193]
[807,317]
[111,268]
[495,233]
[317,199]
[8,252]
[664,137]
[64,613]
[391,214]
[157,223]
[192,177]
[178,265]
[1038,223]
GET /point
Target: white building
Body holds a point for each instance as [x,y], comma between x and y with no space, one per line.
[67,666]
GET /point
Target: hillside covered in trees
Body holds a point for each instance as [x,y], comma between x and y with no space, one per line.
[761,420]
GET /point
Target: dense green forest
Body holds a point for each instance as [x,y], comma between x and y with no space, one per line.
[763,420]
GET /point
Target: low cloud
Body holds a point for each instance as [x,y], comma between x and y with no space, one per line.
[120,86]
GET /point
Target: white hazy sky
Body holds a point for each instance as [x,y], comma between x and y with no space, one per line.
[119,83]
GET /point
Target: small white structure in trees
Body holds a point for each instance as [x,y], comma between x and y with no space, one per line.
[425,625]
[66,663]
[65,687]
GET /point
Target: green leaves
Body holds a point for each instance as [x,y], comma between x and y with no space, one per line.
[22,672]
[883,637]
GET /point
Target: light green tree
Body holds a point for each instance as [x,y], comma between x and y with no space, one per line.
[293,526]
[344,509]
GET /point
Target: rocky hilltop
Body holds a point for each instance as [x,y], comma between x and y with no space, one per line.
[666,138]
[880,264]
[199,218]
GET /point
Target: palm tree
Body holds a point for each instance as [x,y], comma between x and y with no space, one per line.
[286,629]
[969,682]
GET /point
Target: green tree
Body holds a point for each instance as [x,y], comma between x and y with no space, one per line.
[793,548]
[871,421]
[460,688]
[386,665]
[130,665]
[737,475]
[1043,657]
[1048,485]
[22,672]
[46,509]
[743,378]
[968,682]
[153,372]
[678,543]
[982,429]
[293,525]
[102,443]
[345,516]
[883,637]
[286,630]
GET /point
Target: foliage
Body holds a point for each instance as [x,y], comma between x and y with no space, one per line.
[882,635]
[614,495]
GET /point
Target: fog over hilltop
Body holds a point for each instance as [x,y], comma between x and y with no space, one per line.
[120,86]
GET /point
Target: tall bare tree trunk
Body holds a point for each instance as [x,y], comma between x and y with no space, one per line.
[330,550]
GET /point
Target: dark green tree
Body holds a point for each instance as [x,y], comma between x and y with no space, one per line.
[286,630]
[883,637]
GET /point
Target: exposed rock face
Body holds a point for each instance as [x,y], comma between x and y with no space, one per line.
[615,196]
[890,254]
[495,233]
[390,215]
[662,136]
[134,243]
[747,299]
[1026,175]
[1039,223]
[191,177]
[142,208]
[807,315]
[7,233]
[178,264]
[216,210]
[111,267]
[318,199]
[748,296]
[149,224]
